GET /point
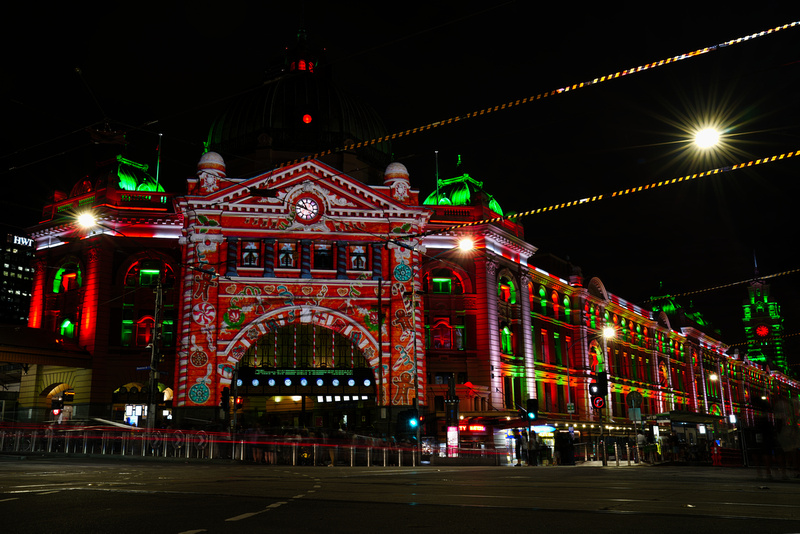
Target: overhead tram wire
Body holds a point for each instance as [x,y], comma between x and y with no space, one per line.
[540,96]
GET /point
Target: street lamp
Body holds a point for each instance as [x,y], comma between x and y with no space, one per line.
[707,137]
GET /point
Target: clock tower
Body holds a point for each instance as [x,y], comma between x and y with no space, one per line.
[763,326]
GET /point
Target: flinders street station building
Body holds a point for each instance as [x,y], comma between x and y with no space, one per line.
[301,287]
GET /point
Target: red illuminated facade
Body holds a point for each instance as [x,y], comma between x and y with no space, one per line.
[285,278]
[94,288]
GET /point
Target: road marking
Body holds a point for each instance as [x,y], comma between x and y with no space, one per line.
[251,514]
[11,499]
[243,516]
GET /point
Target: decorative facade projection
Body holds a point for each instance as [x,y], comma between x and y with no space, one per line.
[285,276]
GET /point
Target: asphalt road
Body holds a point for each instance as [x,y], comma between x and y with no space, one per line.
[144,497]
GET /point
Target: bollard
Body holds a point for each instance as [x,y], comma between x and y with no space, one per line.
[616,453]
[628,453]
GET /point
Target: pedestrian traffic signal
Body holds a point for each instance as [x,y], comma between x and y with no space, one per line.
[57,405]
[532,406]
[598,389]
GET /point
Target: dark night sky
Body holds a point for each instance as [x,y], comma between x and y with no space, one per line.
[168,67]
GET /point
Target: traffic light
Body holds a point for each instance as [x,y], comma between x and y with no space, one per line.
[225,399]
[532,405]
[408,420]
[56,405]
[413,419]
[598,390]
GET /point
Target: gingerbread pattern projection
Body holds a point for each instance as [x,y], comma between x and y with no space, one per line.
[229,308]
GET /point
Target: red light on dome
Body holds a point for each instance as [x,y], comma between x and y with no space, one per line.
[307,118]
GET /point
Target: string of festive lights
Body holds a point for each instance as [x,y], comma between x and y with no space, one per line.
[620,193]
[540,96]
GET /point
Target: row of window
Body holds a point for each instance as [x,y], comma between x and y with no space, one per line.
[272,254]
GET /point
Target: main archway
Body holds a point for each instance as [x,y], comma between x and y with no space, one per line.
[306,367]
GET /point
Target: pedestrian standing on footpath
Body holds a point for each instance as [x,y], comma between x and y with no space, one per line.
[533,449]
[523,438]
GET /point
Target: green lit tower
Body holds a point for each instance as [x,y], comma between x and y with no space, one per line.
[763,326]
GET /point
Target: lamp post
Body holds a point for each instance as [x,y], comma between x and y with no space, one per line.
[608,332]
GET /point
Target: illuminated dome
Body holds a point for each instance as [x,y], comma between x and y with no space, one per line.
[394,172]
[211,163]
[461,191]
[300,112]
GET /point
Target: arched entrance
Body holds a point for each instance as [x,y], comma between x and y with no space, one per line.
[312,374]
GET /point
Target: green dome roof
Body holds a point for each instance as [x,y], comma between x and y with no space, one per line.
[460,191]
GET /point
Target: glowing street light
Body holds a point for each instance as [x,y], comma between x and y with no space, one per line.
[706,138]
[87,219]
[466,244]
[609,332]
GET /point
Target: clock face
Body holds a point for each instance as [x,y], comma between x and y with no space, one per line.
[762,330]
[307,209]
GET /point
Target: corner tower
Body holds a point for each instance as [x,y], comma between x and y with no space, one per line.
[763,326]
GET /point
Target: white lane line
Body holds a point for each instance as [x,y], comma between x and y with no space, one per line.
[243,516]
[11,499]
[251,514]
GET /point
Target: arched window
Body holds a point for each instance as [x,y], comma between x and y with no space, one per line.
[304,346]
[67,329]
[68,278]
[506,291]
[506,340]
